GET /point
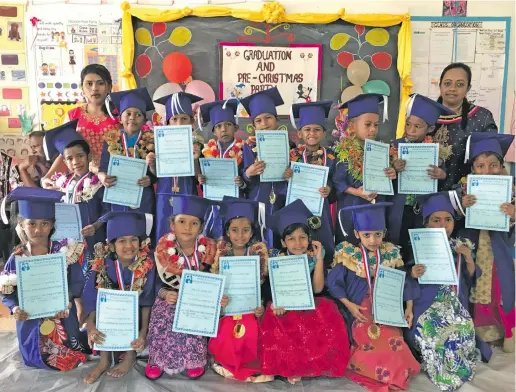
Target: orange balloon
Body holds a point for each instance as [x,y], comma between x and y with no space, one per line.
[177,67]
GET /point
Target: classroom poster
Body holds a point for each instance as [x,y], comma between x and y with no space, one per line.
[14,100]
[15,145]
[12,27]
[54,114]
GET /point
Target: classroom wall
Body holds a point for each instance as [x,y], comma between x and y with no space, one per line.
[420,8]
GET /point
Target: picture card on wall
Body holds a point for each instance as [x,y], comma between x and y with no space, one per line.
[12,27]
[14,100]
[12,68]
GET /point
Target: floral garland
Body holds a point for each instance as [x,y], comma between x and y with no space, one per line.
[312,260]
[211,150]
[145,145]
[458,242]
[84,190]
[139,267]
[444,151]
[351,257]
[350,150]
[296,154]
[257,248]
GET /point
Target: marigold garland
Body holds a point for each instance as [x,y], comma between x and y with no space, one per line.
[351,151]
[211,150]
[145,145]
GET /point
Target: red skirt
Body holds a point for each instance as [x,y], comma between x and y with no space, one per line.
[236,352]
[306,343]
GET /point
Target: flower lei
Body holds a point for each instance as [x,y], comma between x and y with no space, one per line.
[84,190]
[350,150]
[257,248]
[444,151]
[139,267]
[312,260]
[168,253]
[458,242]
[351,257]
[211,150]
[296,154]
[145,145]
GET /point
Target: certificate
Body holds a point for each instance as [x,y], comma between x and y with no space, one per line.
[174,151]
[388,297]
[414,180]
[273,148]
[491,192]
[127,171]
[376,160]
[117,318]
[68,222]
[431,248]
[42,284]
[242,284]
[291,284]
[198,303]
[305,183]
[220,177]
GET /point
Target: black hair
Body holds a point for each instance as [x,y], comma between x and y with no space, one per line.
[465,102]
[37,134]
[293,227]
[173,217]
[488,154]
[104,74]
[228,223]
[81,143]
[112,252]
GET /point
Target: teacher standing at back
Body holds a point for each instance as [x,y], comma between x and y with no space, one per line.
[453,131]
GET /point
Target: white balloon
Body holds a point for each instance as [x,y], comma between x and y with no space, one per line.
[161,91]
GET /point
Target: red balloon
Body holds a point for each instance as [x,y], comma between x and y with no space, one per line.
[177,67]
[143,65]
[159,29]
[345,58]
[359,29]
[382,60]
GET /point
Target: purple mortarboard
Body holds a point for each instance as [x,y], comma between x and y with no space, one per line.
[56,140]
[433,202]
[482,142]
[136,98]
[219,111]
[426,109]
[364,103]
[33,203]
[368,217]
[127,223]
[240,208]
[310,113]
[295,212]
[191,205]
[178,103]
[263,102]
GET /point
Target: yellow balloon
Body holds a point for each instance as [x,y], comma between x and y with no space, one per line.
[143,37]
[338,41]
[180,36]
[377,37]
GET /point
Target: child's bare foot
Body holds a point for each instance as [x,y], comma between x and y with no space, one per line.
[124,366]
[293,380]
[97,371]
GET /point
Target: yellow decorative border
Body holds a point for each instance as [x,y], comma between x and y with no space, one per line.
[273,13]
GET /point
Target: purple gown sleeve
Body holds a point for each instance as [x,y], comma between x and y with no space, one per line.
[10,300]
[75,280]
[340,177]
[248,160]
[148,294]
[335,282]
[411,291]
[104,159]
[89,295]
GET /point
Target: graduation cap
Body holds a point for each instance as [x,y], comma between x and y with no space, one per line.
[426,109]
[483,142]
[295,212]
[33,203]
[178,103]
[439,201]
[57,139]
[244,208]
[136,98]
[310,113]
[263,102]
[191,205]
[368,217]
[127,223]
[365,103]
[219,111]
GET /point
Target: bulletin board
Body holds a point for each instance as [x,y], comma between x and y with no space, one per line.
[179,50]
[480,42]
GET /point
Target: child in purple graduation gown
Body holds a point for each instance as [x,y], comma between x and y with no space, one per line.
[135,140]
[441,329]
[380,358]
[422,115]
[123,263]
[178,109]
[311,129]
[184,247]
[54,343]
[493,295]
[347,178]
[261,106]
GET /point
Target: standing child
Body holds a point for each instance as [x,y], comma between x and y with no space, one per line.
[380,358]
[493,296]
[440,327]
[422,115]
[183,248]
[54,343]
[135,140]
[178,108]
[307,343]
[347,178]
[261,106]
[124,262]
[235,348]
[311,129]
